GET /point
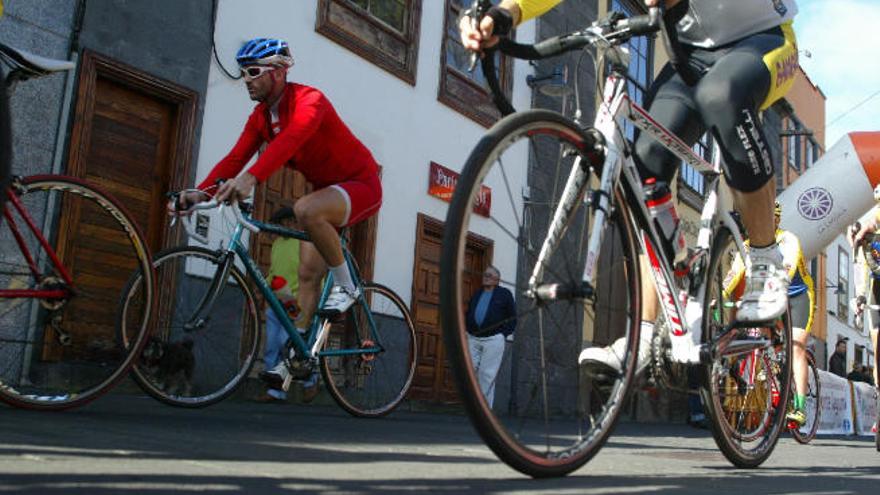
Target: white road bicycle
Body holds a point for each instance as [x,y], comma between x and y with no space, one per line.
[579,234]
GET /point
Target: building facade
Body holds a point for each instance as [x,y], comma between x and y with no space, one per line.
[397,75]
[127,118]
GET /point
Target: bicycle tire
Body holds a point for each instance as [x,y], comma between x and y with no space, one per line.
[754,407]
[61,353]
[814,393]
[589,412]
[348,377]
[194,368]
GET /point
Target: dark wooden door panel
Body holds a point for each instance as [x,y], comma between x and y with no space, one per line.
[434,380]
[131,137]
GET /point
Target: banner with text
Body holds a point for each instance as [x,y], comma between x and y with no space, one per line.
[865,407]
[835,399]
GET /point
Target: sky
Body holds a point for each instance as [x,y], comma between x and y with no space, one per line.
[843,39]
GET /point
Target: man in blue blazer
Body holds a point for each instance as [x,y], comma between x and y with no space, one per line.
[491,317]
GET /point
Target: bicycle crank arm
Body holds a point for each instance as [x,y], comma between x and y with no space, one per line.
[741,346]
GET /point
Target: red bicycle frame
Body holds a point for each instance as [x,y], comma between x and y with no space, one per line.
[12,199]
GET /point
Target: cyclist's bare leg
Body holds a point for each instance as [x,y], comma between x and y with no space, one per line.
[320,214]
[756,209]
[612,355]
[650,301]
[311,271]
[799,359]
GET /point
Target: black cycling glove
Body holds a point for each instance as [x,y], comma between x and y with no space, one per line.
[503,21]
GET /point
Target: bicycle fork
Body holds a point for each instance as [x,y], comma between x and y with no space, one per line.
[572,195]
[205,307]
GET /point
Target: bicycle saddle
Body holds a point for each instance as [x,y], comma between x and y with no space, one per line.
[30,65]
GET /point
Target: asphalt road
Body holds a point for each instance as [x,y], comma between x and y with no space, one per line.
[132,444]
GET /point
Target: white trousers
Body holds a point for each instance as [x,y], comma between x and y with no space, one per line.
[486,355]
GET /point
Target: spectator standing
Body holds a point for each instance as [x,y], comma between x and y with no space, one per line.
[837,362]
[490,319]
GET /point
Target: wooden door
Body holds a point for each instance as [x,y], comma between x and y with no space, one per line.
[132,137]
[433,379]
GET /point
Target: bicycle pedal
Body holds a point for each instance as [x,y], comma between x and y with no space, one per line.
[287,381]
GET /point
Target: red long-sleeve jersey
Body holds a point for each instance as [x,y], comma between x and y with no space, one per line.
[309,136]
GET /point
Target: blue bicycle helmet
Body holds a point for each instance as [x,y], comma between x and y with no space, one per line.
[264,51]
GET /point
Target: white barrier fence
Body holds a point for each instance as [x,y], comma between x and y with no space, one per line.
[846,408]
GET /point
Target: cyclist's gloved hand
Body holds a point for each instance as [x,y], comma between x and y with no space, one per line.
[180,202]
[497,22]
[238,188]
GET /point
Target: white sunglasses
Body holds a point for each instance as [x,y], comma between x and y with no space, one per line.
[252,72]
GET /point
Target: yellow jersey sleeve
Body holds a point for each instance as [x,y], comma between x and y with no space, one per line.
[534,8]
[733,281]
[1,7]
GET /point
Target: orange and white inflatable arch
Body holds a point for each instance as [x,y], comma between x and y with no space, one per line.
[835,192]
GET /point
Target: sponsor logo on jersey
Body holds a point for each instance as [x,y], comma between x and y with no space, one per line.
[780,7]
[786,69]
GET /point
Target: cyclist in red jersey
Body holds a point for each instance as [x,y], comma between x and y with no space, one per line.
[300,129]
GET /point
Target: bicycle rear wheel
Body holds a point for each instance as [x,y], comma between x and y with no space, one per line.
[807,432]
[58,349]
[372,382]
[746,393]
[550,415]
[196,359]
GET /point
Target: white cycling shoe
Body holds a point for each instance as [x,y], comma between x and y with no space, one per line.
[276,377]
[338,302]
[601,360]
[766,293]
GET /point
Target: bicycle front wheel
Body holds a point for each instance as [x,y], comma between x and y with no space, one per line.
[207,331]
[368,360]
[807,432]
[59,321]
[551,411]
[746,388]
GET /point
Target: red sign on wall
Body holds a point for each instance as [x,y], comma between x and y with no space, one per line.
[442,182]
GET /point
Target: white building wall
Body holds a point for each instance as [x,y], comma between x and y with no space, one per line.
[404,126]
[837,327]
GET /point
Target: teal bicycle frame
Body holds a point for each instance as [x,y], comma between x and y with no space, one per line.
[309,348]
